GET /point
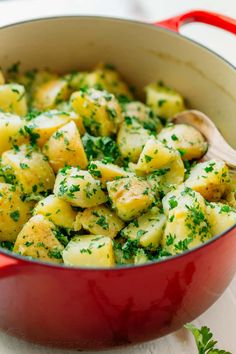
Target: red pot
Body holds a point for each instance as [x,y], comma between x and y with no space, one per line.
[102,308]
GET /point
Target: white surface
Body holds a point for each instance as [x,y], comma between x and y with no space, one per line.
[221,317]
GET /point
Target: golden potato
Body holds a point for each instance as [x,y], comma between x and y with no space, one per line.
[57,211]
[65,148]
[50,93]
[163,101]
[131,139]
[221,217]
[13,99]
[89,251]
[10,128]
[130,196]
[100,220]
[37,240]
[185,138]
[29,169]
[211,179]
[78,188]
[13,212]
[100,111]
[2,79]
[147,229]
[106,171]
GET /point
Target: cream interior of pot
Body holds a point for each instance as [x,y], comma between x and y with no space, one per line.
[141,52]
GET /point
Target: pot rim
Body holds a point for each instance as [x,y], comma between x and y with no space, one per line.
[26,260]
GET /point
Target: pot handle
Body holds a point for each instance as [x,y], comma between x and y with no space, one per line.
[211,18]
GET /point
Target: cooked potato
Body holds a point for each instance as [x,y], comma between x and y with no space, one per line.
[106,171]
[12,99]
[140,257]
[78,188]
[163,101]
[13,212]
[76,80]
[100,111]
[29,169]
[130,196]
[10,128]
[211,179]
[49,122]
[65,148]
[147,229]
[100,220]
[221,217]
[131,139]
[50,93]
[37,240]
[2,79]
[185,138]
[57,211]
[89,251]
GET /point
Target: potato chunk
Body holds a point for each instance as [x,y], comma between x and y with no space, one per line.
[147,229]
[56,210]
[89,251]
[185,138]
[106,171]
[28,169]
[65,148]
[10,127]
[187,224]
[131,139]
[100,111]
[221,217]
[12,99]
[2,79]
[211,179]
[130,196]
[13,212]
[37,240]
[49,122]
[50,93]
[101,220]
[163,101]
[78,188]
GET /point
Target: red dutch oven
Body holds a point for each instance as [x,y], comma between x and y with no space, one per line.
[85,308]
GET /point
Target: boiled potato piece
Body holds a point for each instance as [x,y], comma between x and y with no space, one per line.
[51,93]
[76,80]
[13,212]
[10,128]
[143,114]
[65,148]
[131,139]
[100,220]
[147,229]
[100,111]
[163,101]
[2,79]
[221,217]
[13,99]
[78,188]
[187,224]
[57,211]
[89,251]
[185,138]
[37,240]
[140,257]
[211,179]
[49,122]
[29,169]
[130,196]
[106,171]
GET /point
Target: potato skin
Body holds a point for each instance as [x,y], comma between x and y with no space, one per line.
[186,139]
[65,148]
[37,240]
[13,212]
[10,127]
[78,188]
[57,211]
[89,251]
[13,100]
[30,170]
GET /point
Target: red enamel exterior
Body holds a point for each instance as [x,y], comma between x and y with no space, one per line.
[97,309]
